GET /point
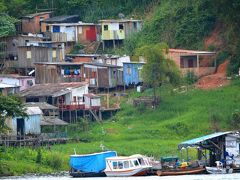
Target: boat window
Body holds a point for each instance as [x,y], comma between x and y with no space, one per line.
[131,164]
[120,165]
[136,162]
[141,161]
[114,164]
[126,164]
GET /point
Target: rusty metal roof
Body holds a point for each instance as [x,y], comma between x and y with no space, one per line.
[41,105]
[54,90]
[190,51]
[51,121]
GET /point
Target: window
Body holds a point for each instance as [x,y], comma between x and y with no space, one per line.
[47,28]
[121,26]
[105,27]
[74,98]
[80,30]
[120,165]
[114,165]
[29,55]
[135,162]
[41,18]
[126,164]
[129,71]
[54,54]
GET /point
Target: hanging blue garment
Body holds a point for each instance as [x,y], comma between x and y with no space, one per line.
[94,163]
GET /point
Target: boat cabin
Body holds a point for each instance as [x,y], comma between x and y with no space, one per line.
[127,166]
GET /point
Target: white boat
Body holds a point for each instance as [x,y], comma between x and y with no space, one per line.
[120,166]
[217,170]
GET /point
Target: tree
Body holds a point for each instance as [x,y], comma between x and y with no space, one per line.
[158,68]
[10,106]
[7,26]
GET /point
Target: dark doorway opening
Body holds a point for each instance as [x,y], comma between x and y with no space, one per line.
[20,126]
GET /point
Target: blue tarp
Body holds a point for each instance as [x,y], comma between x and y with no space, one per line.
[91,162]
[196,141]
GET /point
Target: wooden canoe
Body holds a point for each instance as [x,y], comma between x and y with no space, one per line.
[173,172]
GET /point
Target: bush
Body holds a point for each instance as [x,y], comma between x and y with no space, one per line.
[39,157]
[55,161]
[236,119]
[190,78]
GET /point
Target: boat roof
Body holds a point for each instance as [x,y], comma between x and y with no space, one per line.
[199,140]
[92,154]
[125,157]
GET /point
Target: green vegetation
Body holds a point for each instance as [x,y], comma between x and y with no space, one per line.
[180,116]
[10,106]
[158,68]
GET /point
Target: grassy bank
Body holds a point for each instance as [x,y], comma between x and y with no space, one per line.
[180,116]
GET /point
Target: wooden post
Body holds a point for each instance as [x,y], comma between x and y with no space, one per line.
[114,45]
[198,64]
[70,116]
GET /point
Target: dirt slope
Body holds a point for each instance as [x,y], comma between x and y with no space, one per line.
[216,80]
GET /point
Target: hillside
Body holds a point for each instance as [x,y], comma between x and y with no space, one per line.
[179,117]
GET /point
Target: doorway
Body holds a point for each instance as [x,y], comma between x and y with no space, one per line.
[20,126]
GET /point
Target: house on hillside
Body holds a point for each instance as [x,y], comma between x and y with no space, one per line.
[103,75]
[26,125]
[58,94]
[115,31]
[28,55]
[8,89]
[23,82]
[132,73]
[83,58]
[32,23]
[98,75]
[80,32]
[59,72]
[10,46]
[201,63]
[50,116]
[68,97]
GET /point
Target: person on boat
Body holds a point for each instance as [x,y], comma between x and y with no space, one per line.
[177,163]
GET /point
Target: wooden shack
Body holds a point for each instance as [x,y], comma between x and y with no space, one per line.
[132,73]
[32,23]
[59,72]
[115,31]
[26,125]
[11,43]
[201,63]
[103,75]
[28,55]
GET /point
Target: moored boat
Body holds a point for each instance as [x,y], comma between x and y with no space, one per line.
[119,166]
[89,165]
[179,171]
[217,170]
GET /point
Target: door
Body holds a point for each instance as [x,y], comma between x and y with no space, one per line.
[20,126]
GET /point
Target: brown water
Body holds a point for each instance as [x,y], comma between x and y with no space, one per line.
[235,176]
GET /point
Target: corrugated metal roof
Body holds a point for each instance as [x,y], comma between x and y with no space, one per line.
[60,18]
[37,14]
[196,141]
[33,111]
[92,96]
[2,86]
[17,76]
[190,51]
[41,105]
[54,89]
[52,120]
[119,20]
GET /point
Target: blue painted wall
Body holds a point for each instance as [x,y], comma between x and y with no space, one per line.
[132,76]
[31,124]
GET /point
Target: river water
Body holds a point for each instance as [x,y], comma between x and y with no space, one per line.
[235,176]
